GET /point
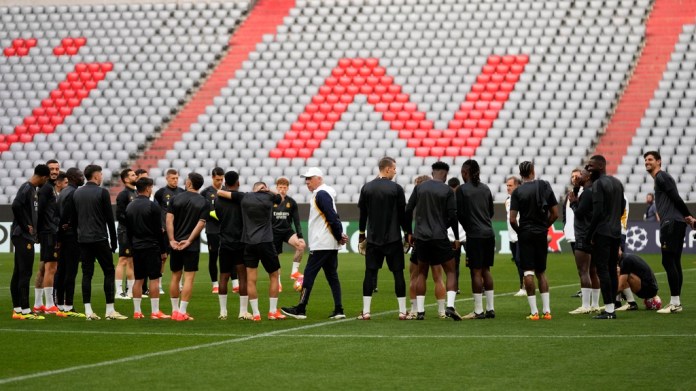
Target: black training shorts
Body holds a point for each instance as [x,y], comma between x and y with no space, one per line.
[230,257]
[434,252]
[533,250]
[394,252]
[47,241]
[124,246]
[480,252]
[184,260]
[264,252]
[147,263]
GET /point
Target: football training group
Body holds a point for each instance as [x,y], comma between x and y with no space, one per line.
[70,215]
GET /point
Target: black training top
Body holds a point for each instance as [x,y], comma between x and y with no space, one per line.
[163,196]
[125,197]
[382,206]
[212,225]
[67,228]
[188,209]
[528,200]
[25,208]
[607,207]
[633,264]
[257,213]
[583,214]
[670,205]
[435,210]
[144,225]
[94,214]
[229,212]
[285,213]
[48,209]
[475,210]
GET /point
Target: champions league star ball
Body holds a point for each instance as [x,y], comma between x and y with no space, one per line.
[298,284]
[654,303]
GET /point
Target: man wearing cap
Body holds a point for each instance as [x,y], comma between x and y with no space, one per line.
[325,237]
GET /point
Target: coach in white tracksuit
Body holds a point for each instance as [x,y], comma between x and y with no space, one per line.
[325,237]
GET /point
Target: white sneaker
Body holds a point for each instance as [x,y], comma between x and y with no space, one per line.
[246,316]
[520,293]
[121,296]
[222,317]
[670,309]
[442,315]
[161,291]
[595,310]
[580,311]
[116,316]
[92,316]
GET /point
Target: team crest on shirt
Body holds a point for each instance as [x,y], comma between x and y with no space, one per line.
[55,254]
[127,251]
[28,246]
[287,205]
[275,205]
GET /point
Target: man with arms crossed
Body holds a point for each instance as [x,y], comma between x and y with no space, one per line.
[435,210]
[23,233]
[144,228]
[186,218]
[475,211]
[382,206]
[212,225]
[537,207]
[604,231]
[674,216]
[95,230]
[325,238]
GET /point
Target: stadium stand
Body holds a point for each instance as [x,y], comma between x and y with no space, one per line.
[338,85]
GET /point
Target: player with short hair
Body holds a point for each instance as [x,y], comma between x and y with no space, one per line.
[382,206]
[229,212]
[435,270]
[635,277]
[163,197]
[25,207]
[512,183]
[435,210]
[285,216]
[212,225]
[537,208]
[48,229]
[581,204]
[674,216]
[474,212]
[186,217]
[325,235]
[568,216]
[95,226]
[144,229]
[454,184]
[604,231]
[125,253]
[69,254]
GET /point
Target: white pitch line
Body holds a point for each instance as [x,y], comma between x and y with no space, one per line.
[421,336]
[211,344]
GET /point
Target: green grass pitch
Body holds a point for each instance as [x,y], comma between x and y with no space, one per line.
[639,350]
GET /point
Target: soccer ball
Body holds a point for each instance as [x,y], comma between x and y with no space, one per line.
[298,284]
[654,303]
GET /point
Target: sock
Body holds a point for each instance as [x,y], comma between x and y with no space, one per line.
[279,278]
[243,305]
[26,311]
[182,306]
[441,306]
[38,297]
[110,308]
[175,304]
[17,310]
[295,267]
[676,300]
[594,302]
[160,284]
[586,296]
[48,292]
[216,284]
[235,284]
[532,304]
[129,285]
[609,308]
[420,303]
[67,308]
[254,306]
[451,296]
[367,301]
[61,308]
[155,305]
[413,306]
[478,303]
[629,295]
[136,305]
[223,304]
[88,309]
[546,303]
[402,304]
[490,300]
[273,305]
[119,287]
